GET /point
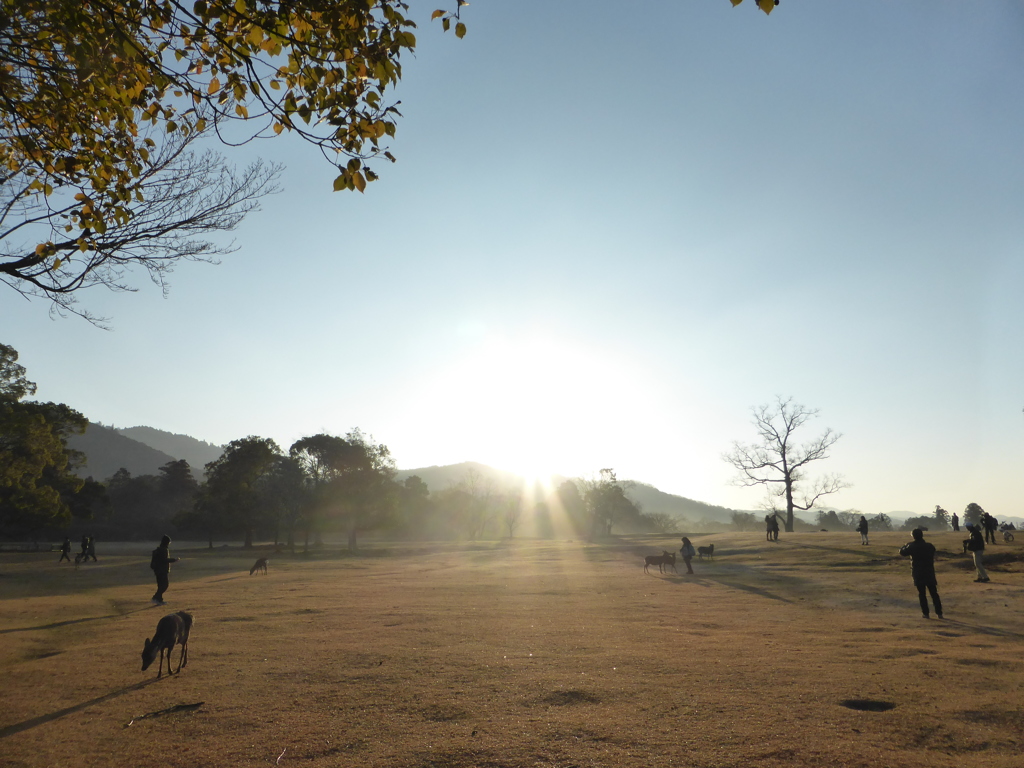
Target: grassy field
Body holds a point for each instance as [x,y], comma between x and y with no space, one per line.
[808,652]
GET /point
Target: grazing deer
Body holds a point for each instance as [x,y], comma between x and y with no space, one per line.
[709,550]
[260,565]
[171,630]
[665,558]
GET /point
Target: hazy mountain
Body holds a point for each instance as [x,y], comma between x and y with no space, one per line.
[438,478]
[650,498]
[197,453]
[106,451]
[654,501]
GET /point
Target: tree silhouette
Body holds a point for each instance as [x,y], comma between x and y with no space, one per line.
[779,464]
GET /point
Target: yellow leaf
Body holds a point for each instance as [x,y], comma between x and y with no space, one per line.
[214,86]
[767,5]
[340,183]
[460,30]
[56,263]
[736,2]
[278,128]
[436,15]
[240,6]
[360,182]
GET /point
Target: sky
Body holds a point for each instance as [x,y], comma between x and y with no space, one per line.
[611,231]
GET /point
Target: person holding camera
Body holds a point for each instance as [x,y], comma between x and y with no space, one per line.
[976,546]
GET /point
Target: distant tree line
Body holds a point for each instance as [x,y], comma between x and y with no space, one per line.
[323,485]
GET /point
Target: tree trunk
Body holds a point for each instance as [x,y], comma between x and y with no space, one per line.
[789,505]
[248,538]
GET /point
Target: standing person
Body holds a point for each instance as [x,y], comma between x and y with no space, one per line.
[922,555]
[976,546]
[90,551]
[775,526]
[65,550]
[688,553]
[85,550]
[991,526]
[862,528]
[161,565]
[768,520]
[955,520]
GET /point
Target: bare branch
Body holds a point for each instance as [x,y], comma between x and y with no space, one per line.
[777,463]
[181,198]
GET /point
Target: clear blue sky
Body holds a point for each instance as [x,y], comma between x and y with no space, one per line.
[612,229]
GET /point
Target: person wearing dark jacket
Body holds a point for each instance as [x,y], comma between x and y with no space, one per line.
[922,556]
[862,529]
[65,550]
[161,565]
[976,546]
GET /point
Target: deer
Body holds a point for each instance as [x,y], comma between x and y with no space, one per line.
[260,565]
[665,558]
[173,629]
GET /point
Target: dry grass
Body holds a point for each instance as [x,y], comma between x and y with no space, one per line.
[531,654]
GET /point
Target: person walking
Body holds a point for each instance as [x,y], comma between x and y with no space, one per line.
[160,562]
[976,546]
[862,528]
[955,520]
[85,550]
[922,567]
[65,550]
[90,550]
[688,553]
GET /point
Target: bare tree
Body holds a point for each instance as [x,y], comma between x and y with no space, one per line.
[180,198]
[776,462]
[512,513]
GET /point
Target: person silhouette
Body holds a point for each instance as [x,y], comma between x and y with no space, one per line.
[160,562]
[862,528]
[922,556]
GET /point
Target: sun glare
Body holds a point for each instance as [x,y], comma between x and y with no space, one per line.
[537,407]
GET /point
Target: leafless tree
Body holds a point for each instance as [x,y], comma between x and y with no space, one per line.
[778,463]
[512,513]
[181,197]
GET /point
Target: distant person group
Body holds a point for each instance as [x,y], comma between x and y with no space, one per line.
[88,550]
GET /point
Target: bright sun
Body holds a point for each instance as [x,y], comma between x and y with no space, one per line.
[536,407]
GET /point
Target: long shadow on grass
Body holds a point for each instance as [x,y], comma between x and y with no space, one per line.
[747,578]
[707,581]
[985,630]
[69,622]
[25,725]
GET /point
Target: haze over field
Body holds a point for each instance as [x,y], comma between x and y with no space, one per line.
[607,236]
